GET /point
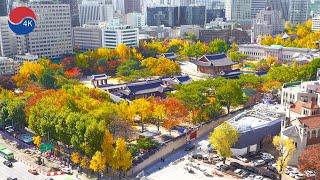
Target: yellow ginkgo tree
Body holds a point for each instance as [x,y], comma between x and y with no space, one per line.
[223,138]
[286,148]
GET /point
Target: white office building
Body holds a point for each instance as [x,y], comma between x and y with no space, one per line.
[95,11]
[8,40]
[8,66]
[87,37]
[316,23]
[137,20]
[51,37]
[21,58]
[114,34]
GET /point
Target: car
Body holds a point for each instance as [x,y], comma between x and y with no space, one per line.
[189,147]
[238,171]
[258,178]
[33,171]
[207,174]
[309,173]
[197,156]
[243,159]
[299,176]
[244,174]
[7,163]
[67,170]
[12,178]
[259,162]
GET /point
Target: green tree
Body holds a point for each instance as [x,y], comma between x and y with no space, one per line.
[128,68]
[286,148]
[223,138]
[217,46]
[229,94]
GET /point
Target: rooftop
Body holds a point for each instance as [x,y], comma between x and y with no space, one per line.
[312,122]
[214,60]
[259,116]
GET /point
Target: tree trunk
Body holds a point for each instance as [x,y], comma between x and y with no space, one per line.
[158,125]
[228,108]
[280,176]
[142,126]
[224,160]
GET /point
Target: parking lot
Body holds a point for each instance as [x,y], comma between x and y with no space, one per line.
[200,161]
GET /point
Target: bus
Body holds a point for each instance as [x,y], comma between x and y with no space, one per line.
[6,153]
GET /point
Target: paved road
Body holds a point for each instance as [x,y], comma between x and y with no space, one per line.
[19,170]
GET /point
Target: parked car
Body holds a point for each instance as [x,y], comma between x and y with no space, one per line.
[258,178]
[197,156]
[310,173]
[33,171]
[189,147]
[67,170]
[299,176]
[243,159]
[12,178]
[7,163]
[259,162]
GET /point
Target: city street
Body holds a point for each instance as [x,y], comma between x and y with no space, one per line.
[19,170]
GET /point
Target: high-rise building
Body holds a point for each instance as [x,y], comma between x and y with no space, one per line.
[257,6]
[298,11]
[239,11]
[3,7]
[192,15]
[171,16]
[135,20]
[8,66]
[163,15]
[114,34]
[95,11]
[212,14]
[131,6]
[87,37]
[316,23]
[267,22]
[51,37]
[280,5]
[7,39]
[74,11]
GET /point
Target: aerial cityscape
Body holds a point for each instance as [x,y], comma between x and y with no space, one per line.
[159,89]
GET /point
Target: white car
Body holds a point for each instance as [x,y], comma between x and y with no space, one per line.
[259,162]
[310,173]
[243,159]
[258,178]
[238,171]
[66,170]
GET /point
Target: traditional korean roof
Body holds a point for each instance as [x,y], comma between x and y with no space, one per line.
[144,87]
[214,60]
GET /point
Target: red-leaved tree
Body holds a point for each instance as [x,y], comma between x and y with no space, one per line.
[310,159]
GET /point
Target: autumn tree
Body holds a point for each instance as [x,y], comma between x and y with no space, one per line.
[85,162]
[37,140]
[223,138]
[98,162]
[107,148]
[125,114]
[286,148]
[122,158]
[229,94]
[310,159]
[142,108]
[75,158]
[176,113]
[159,111]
